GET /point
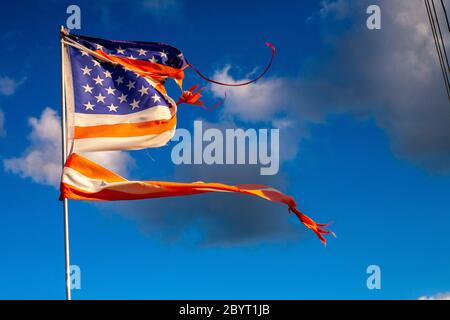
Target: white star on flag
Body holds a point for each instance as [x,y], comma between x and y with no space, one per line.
[120,50]
[98,80]
[143,90]
[155,98]
[119,80]
[134,104]
[123,98]
[96,63]
[88,88]
[86,70]
[110,90]
[100,97]
[112,108]
[142,52]
[163,54]
[89,106]
[130,84]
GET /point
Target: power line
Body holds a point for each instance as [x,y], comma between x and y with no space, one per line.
[445,13]
[438,48]
[441,38]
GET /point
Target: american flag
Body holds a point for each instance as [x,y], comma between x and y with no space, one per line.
[86,180]
[116,98]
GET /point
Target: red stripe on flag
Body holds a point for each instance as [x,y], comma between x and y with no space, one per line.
[125,129]
[86,180]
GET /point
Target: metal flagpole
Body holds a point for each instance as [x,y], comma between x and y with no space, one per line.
[64,157]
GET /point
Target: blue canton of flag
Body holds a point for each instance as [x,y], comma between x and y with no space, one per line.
[116,94]
[105,88]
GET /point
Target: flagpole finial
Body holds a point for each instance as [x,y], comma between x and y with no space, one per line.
[64,31]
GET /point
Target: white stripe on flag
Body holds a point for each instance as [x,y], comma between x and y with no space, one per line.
[80,181]
[129,143]
[154,113]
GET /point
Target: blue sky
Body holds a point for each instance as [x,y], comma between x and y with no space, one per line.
[365,144]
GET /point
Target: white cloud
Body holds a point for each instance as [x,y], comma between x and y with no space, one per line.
[2,124]
[118,161]
[439,296]
[8,86]
[41,161]
[391,75]
[272,100]
[255,102]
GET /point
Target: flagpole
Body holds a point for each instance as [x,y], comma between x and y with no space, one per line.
[64,157]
